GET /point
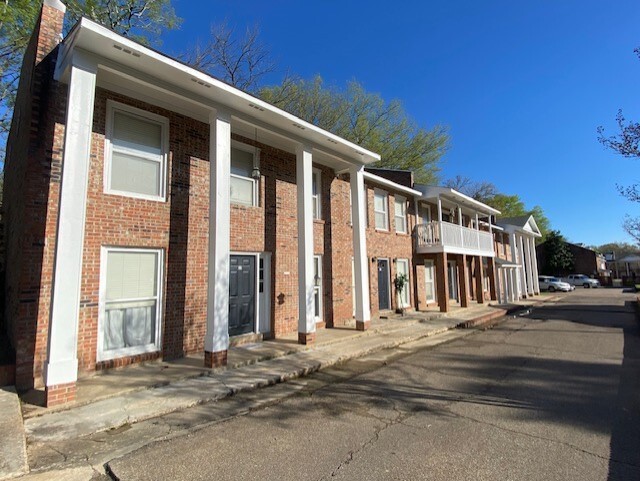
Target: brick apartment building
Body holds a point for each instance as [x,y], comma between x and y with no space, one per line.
[154,212]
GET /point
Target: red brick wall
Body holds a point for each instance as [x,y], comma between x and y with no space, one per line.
[389,244]
[32,176]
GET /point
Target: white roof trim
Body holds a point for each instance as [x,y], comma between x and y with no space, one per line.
[390,184]
[294,125]
[432,192]
[531,222]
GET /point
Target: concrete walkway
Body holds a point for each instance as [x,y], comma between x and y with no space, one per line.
[193,385]
[123,397]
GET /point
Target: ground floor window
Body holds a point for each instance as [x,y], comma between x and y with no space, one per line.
[402,267]
[130,293]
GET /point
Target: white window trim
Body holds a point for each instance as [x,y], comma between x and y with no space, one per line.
[385,212]
[112,106]
[398,199]
[102,355]
[316,178]
[256,163]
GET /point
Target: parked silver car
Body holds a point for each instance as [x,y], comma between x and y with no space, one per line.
[552,284]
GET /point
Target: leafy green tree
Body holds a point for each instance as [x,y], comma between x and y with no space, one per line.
[508,205]
[558,257]
[620,249]
[141,20]
[366,119]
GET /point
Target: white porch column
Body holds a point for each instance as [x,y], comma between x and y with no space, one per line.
[304,171]
[216,342]
[529,262]
[534,258]
[513,286]
[360,259]
[515,260]
[61,370]
[439,210]
[505,284]
[523,272]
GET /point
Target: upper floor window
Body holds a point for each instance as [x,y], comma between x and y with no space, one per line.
[136,153]
[316,182]
[243,187]
[381,209]
[400,214]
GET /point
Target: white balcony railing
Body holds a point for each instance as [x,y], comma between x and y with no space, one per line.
[443,236]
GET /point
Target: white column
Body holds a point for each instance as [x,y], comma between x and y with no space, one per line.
[62,359]
[304,170]
[514,259]
[505,283]
[439,210]
[216,341]
[523,274]
[534,258]
[513,286]
[363,310]
[529,265]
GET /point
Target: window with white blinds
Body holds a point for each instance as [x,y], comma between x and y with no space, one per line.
[243,188]
[316,190]
[400,214]
[380,207]
[136,154]
[130,307]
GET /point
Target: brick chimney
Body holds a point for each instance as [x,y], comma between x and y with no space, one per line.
[49,27]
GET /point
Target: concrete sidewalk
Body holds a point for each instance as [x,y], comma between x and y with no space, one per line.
[278,365]
[162,388]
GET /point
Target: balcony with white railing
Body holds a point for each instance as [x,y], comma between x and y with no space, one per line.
[435,237]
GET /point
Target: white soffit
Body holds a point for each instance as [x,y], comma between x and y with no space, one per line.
[107,45]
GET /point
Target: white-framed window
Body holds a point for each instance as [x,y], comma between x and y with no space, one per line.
[243,188]
[402,267]
[317,287]
[430,276]
[136,150]
[400,213]
[316,186]
[381,209]
[130,302]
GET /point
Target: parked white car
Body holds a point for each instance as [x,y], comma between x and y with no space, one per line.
[582,280]
[552,284]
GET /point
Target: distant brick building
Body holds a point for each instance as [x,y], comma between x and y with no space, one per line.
[585,261]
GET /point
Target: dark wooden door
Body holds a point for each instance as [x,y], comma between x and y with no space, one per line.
[383,285]
[242,295]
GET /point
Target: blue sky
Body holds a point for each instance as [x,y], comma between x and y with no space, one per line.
[522,86]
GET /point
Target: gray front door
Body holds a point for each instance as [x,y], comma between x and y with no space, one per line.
[384,301]
[242,295]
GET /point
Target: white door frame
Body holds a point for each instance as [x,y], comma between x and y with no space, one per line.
[264,297]
[406,290]
[319,288]
[430,266]
[452,267]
